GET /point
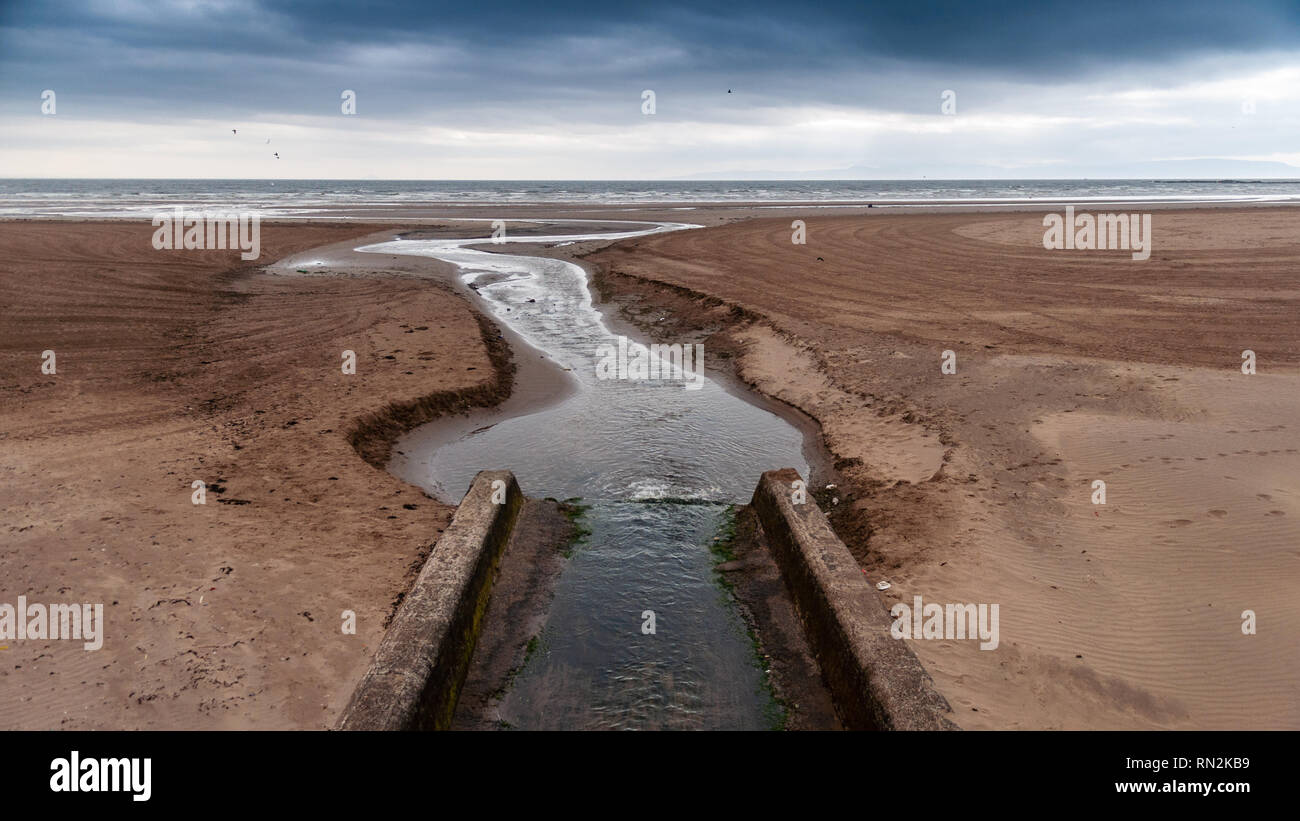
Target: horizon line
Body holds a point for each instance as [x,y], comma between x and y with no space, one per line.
[670,179]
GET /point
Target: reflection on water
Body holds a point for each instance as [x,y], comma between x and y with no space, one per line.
[643,455]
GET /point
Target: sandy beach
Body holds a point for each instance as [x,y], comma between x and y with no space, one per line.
[1071,366]
[172,368]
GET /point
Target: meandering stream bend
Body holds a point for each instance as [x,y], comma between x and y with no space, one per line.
[658,465]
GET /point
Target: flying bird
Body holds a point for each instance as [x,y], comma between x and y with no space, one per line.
[277,155]
[234,131]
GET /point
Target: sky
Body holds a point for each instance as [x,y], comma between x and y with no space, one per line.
[556,90]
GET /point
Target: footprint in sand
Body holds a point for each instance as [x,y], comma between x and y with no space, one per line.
[1177,522]
[1218,514]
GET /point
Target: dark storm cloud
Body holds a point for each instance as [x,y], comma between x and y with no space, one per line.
[293,57]
[979,32]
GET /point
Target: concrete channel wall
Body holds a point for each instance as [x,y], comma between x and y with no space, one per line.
[876,680]
[416,675]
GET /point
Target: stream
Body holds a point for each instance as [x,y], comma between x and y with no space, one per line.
[658,466]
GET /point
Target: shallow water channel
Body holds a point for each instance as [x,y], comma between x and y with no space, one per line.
[658,465]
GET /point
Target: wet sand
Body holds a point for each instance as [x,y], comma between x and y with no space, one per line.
[1072,366]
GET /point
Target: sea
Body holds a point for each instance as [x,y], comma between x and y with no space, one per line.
[307,198]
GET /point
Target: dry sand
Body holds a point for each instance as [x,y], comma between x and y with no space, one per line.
[183,366]
[976,487]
